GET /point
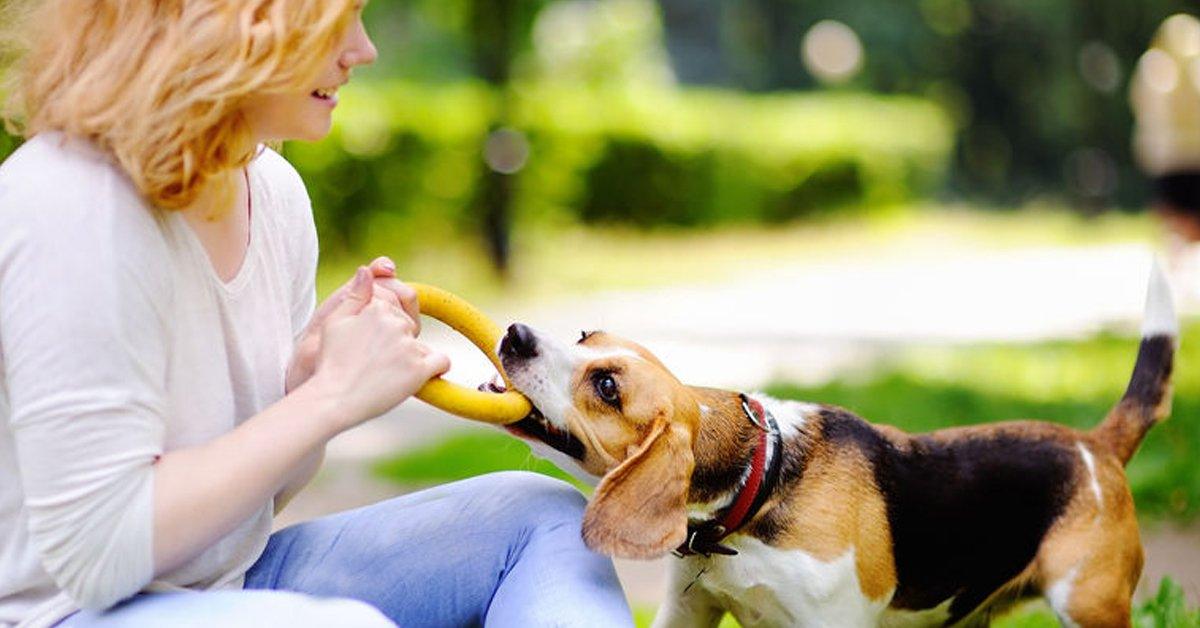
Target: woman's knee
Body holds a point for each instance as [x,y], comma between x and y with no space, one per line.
[532,494]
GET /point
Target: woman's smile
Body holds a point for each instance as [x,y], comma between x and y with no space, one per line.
[326,96]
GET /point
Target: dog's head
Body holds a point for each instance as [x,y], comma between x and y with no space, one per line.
[620,415]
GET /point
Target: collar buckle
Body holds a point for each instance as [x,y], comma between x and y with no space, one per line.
[705,540]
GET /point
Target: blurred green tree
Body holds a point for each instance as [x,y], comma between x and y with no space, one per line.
[496,31]
[1038,87]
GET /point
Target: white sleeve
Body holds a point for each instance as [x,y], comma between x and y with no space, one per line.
[83,331]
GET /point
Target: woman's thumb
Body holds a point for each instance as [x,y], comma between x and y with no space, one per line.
[359,294]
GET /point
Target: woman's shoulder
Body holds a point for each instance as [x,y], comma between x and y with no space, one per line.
[286,190]
[279,172]
[64,188]
[56,173]
[53,157]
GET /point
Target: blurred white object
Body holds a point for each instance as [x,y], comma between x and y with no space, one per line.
[1165,95]
[1183,273]
[832,52]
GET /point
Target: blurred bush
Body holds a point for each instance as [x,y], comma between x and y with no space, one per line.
[8,143]
[405,157]
[1038,90]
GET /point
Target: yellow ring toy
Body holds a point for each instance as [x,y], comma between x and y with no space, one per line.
[466,319]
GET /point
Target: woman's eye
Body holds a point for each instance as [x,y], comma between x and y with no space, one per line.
[606,388]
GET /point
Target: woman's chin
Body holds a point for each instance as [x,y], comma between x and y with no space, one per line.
[313,130]
[315,135]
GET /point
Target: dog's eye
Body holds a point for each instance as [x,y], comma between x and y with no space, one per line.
[606,389]
[584,335]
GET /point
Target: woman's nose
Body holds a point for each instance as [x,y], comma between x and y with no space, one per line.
[361,50]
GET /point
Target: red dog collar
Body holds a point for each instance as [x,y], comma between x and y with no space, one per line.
[705,537]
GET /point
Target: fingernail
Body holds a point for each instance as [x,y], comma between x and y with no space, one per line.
[388,264]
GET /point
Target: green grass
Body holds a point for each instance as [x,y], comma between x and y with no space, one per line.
[1167,609]
[463,455]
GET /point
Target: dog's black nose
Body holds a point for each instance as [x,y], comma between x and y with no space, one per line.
[519,342]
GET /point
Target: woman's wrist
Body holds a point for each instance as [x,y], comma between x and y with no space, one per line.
[323,406]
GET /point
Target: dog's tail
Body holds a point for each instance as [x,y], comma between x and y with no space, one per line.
[1147,400]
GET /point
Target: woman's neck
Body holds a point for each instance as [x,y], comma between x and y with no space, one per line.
[223,228]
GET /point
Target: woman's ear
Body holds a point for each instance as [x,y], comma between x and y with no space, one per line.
[640,508]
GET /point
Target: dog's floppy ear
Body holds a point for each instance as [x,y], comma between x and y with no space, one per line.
[640,508]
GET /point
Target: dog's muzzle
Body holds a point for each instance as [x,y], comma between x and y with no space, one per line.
[536,426]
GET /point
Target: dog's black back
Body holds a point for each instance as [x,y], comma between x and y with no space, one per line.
[968,514]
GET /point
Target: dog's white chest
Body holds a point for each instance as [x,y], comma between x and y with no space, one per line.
[765,586]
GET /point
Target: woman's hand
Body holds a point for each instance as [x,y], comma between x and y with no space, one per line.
[369,358]
[386,287]
[366,361]
[381,286]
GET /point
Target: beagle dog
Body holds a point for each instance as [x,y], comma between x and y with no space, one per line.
[802,514]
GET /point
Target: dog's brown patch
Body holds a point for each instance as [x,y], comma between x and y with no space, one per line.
[1097,542]
[837,507]
[724,443]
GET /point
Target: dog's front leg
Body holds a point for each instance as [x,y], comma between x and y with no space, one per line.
[687,604]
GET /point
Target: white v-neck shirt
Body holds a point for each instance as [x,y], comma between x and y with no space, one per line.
[118,342]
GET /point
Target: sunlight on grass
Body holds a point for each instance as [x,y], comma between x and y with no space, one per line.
[643,617]
[558,262]
[1167,609]
[463,455]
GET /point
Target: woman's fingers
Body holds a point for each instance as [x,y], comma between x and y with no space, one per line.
[436,363]
[383,269]
[410,312]
[358,295]
[370,355]
[388,310]
[407,297]
[383,266]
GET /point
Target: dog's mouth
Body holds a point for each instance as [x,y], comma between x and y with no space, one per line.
[537,427]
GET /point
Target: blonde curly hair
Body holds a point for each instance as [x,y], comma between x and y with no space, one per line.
[160,84]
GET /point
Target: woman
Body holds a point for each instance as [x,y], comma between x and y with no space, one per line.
[156,271]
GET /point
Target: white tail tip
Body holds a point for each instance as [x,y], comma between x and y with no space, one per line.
[1160,317]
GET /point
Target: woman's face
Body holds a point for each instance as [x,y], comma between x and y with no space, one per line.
[308,115]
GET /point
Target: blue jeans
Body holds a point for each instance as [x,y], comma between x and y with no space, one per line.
[497,550]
